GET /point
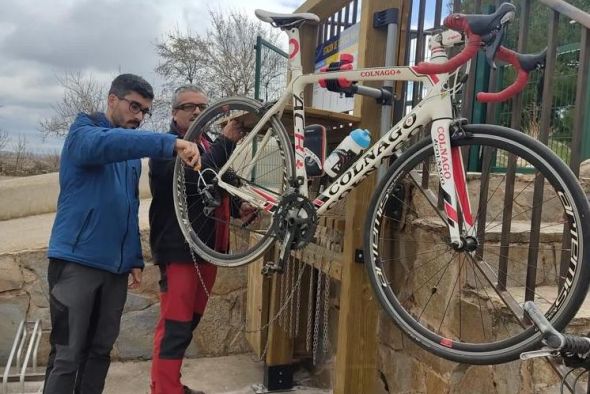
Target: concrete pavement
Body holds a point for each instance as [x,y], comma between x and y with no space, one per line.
[218,375]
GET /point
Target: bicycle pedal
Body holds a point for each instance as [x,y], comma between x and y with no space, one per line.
[544,352]
[270,268]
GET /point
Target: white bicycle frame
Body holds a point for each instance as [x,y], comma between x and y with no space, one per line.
[435,107]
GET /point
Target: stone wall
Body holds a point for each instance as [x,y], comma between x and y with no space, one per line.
[404,367]
[24,294]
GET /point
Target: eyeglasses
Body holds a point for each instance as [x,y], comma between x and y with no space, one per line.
[136,107]
[190,107]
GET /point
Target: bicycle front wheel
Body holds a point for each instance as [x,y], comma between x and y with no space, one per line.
[464,304]
[260,166]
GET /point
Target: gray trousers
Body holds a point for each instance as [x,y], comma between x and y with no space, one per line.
[86,305]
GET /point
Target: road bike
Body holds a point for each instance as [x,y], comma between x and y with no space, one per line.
[432,241]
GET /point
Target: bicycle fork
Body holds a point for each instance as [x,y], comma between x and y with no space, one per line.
[453,182]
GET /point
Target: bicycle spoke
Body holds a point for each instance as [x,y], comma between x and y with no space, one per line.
[452,291]
[444,269]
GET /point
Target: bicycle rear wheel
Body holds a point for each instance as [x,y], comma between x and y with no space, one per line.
[263,168]
[466,305]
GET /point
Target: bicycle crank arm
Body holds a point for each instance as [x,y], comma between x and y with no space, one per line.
[270,267]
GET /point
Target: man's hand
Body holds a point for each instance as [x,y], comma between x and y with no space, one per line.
[188,153]
[233,130]
[134,278]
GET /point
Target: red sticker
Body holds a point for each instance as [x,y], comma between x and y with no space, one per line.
[295,50]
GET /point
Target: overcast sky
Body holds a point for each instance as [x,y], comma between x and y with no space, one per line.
[40,40]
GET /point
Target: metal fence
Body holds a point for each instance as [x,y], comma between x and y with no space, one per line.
[270,72]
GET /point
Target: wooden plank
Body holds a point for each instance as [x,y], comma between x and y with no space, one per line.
[257,307]
[329,262]
[280,346]
[322,8]
[356,361]
[308,37]
[335,122]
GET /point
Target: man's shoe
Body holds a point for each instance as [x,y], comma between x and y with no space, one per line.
[187,390]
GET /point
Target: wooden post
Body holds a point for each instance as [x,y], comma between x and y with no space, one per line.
[278,369]
[257,307]
[356,359]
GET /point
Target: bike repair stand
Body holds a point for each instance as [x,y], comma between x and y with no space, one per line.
[387,19]
[279,378]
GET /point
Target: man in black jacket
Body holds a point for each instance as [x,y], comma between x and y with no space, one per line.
[184,291]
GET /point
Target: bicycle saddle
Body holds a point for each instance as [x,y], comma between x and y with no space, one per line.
[531,61]
[482,24]
[286,20]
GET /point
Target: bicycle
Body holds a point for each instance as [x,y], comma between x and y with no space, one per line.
[440,277]
[573,350]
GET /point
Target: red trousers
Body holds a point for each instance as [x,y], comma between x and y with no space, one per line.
[182,303]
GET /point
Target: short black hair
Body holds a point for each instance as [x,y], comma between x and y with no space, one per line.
[127,83]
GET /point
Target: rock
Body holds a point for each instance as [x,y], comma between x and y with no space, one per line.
[137,302]
[35,261]
[149,281]
[585,169]
[136,335]
[13,310]
[475,379]
[401,372]
[230,279]
[39,293]
[11,276]
[219,331]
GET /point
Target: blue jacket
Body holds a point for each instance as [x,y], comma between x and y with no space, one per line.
[97,210]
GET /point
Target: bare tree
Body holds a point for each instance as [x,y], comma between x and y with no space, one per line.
[53,159]
[4,139]
[223,60]
[20,152]
[161,107]
[183,57]
[81,94]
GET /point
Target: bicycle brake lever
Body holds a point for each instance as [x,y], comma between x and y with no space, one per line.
[544,352]
[492,47]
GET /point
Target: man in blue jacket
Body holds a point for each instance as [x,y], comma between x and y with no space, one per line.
[95,245]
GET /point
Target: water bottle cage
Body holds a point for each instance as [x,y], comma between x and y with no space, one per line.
[338,85]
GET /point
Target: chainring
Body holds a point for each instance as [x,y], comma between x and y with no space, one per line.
[295,213]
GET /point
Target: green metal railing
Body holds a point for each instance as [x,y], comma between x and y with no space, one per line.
[270,85]
[562,108]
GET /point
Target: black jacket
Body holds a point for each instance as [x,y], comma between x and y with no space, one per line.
[166,239]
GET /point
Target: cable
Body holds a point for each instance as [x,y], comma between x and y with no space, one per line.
[564,379]
[577,378]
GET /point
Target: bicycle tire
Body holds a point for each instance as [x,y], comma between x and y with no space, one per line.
[416,304]
[242,249]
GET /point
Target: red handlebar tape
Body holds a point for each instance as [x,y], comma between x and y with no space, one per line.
[457,22]
[517,86]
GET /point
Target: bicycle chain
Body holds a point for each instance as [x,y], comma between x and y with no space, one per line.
[201,280]
[291,310]
[309,309]
[316,323]
[298,304]
[286,301]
